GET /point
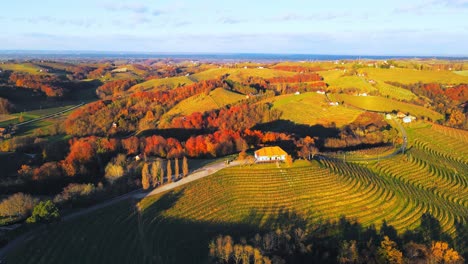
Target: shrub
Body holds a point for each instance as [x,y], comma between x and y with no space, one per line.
[77,194]
[45,211]
[17,206]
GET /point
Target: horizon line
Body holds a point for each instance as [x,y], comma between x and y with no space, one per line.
[58,52]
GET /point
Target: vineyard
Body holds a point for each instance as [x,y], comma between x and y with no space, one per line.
[245,199]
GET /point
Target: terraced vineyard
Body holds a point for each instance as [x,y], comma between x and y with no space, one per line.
[240,200]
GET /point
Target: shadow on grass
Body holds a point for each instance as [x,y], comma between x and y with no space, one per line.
[286,126]
[180,134]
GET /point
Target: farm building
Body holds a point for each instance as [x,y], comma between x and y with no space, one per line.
[408,119]
[400,115]
[270,154]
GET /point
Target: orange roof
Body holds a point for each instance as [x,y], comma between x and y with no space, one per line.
[270,151]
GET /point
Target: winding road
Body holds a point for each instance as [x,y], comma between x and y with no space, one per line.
[50,115]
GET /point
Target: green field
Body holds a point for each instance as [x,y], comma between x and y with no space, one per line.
[22,67]
[381,104]
[312,109]
[202,103]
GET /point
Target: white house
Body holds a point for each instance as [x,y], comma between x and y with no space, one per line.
[321,92]
[407,119]
[270,154]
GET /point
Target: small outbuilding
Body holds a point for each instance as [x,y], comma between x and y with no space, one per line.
[270,154]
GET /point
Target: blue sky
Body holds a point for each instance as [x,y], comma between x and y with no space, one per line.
[359,27]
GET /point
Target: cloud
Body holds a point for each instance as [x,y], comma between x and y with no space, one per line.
[229,20]
[312,17]
[133,7]
[78,22]
[424,6]
[455,3]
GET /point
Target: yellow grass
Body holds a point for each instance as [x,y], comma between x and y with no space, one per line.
[240,74]
[337,80]
[377,103]
[171,82]
[311,109]
[414,76]
[202,103]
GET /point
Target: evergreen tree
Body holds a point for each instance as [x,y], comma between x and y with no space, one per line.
[176,167]
[185,168]
[155,168]
[145,177]
[161,175]
[169,171]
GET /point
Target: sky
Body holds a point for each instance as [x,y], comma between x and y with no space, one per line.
[358,27]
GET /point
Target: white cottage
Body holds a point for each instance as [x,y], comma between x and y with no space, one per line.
[270,154]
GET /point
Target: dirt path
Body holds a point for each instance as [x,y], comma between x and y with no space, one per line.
[198,174]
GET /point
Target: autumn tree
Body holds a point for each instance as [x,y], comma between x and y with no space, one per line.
[176,168]
[17,206]
[155,173]
[442,253]
[348,252]
[5,106]
[145,177]
[185,167]
[389,253]
[45,211]
[169,171]
[289,160]
[457,118]
[161,173]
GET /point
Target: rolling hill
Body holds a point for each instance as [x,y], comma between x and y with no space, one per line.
[246,199]
[201,103]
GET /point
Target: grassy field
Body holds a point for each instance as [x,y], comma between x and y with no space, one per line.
[171,82]
[239,74]
[312,109]
[462,73]
[14,118]
[337,81]
[246,199]
[22,67]
[414,76]
[201,102]
[381,104]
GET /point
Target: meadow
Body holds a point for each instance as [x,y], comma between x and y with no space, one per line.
[381,104]
[217,98]
[312,109]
